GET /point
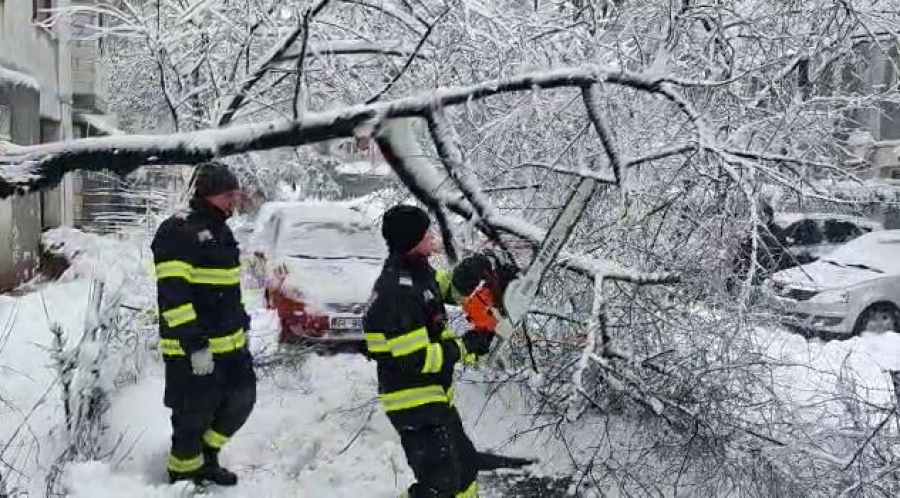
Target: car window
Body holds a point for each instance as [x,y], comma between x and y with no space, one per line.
[839,232]
[805,232]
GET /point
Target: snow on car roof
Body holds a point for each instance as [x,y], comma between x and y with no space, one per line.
[309,210]
[364,168]
[785,219]
[317,228]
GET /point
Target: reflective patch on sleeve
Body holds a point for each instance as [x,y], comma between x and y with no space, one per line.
[409,343]
[180,315]
[434,359]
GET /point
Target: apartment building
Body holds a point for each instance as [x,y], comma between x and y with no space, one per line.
[51,88]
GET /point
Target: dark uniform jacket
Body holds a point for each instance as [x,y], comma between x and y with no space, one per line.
[407,334]
[198,284]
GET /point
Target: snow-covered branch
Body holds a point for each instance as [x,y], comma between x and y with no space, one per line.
[32,168]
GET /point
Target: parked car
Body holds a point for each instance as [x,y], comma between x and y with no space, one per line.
[320,261]
[853,289]
[811,235]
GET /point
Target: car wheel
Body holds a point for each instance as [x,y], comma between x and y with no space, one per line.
[880,317]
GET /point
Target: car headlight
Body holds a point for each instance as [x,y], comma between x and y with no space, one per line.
[831,297]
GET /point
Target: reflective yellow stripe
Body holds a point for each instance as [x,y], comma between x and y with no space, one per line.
[173,269]
[470,492]
[434,359]
[214,439]
[377,343]
[409,343]
[470,359]
[451,393]
[448,334]
[170,347]
[445,283]
[217,345]
[180,315]
[176,464]
[411,398]
[198,275]
[462,347]
[216,276]
[228,343]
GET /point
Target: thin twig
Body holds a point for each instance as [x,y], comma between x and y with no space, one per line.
[409,60]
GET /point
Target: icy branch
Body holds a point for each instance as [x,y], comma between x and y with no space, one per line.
[356,47]
[592,104]
[454,162]
[401,150]
[234,102]
[32,168]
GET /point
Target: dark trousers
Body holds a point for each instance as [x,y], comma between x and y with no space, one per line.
[207,410]
[441,456]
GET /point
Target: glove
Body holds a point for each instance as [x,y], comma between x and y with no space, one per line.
[478,342]
[202,362]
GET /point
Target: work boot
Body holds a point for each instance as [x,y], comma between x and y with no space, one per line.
[184,476]
[214,472]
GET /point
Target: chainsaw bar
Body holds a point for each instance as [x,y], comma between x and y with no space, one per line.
[521,292]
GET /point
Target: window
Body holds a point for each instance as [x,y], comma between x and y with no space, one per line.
[839,232]
[39,12]
[5,122]
[805,232]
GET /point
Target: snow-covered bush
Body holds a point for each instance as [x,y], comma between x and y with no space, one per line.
[111,348]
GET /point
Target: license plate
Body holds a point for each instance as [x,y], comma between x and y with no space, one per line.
[346,323]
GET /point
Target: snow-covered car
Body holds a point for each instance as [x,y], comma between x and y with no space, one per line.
[320,260]
[853,289]
[812,235]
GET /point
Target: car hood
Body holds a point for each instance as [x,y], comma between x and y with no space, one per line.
[331,282]
[823,276]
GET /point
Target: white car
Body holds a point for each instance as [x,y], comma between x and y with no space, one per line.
[811,235]
[854,289]
[320,260]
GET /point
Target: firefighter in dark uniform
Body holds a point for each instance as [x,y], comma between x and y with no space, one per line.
[210,382]
[407,334]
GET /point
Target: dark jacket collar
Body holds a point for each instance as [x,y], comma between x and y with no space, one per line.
[208,212]
[414,265]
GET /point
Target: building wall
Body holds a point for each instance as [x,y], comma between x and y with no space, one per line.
[20,217]
[42,53]
[38,114]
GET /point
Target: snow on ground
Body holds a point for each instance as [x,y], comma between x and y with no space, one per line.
[31,425]
[317,429]
[813,367]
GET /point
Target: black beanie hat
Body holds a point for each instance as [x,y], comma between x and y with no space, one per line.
[213,178]
[403,227]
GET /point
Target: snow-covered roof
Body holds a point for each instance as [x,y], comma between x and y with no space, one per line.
[18,78]
[785,219]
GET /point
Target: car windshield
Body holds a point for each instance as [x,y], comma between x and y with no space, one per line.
[331,240]
[876,252]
